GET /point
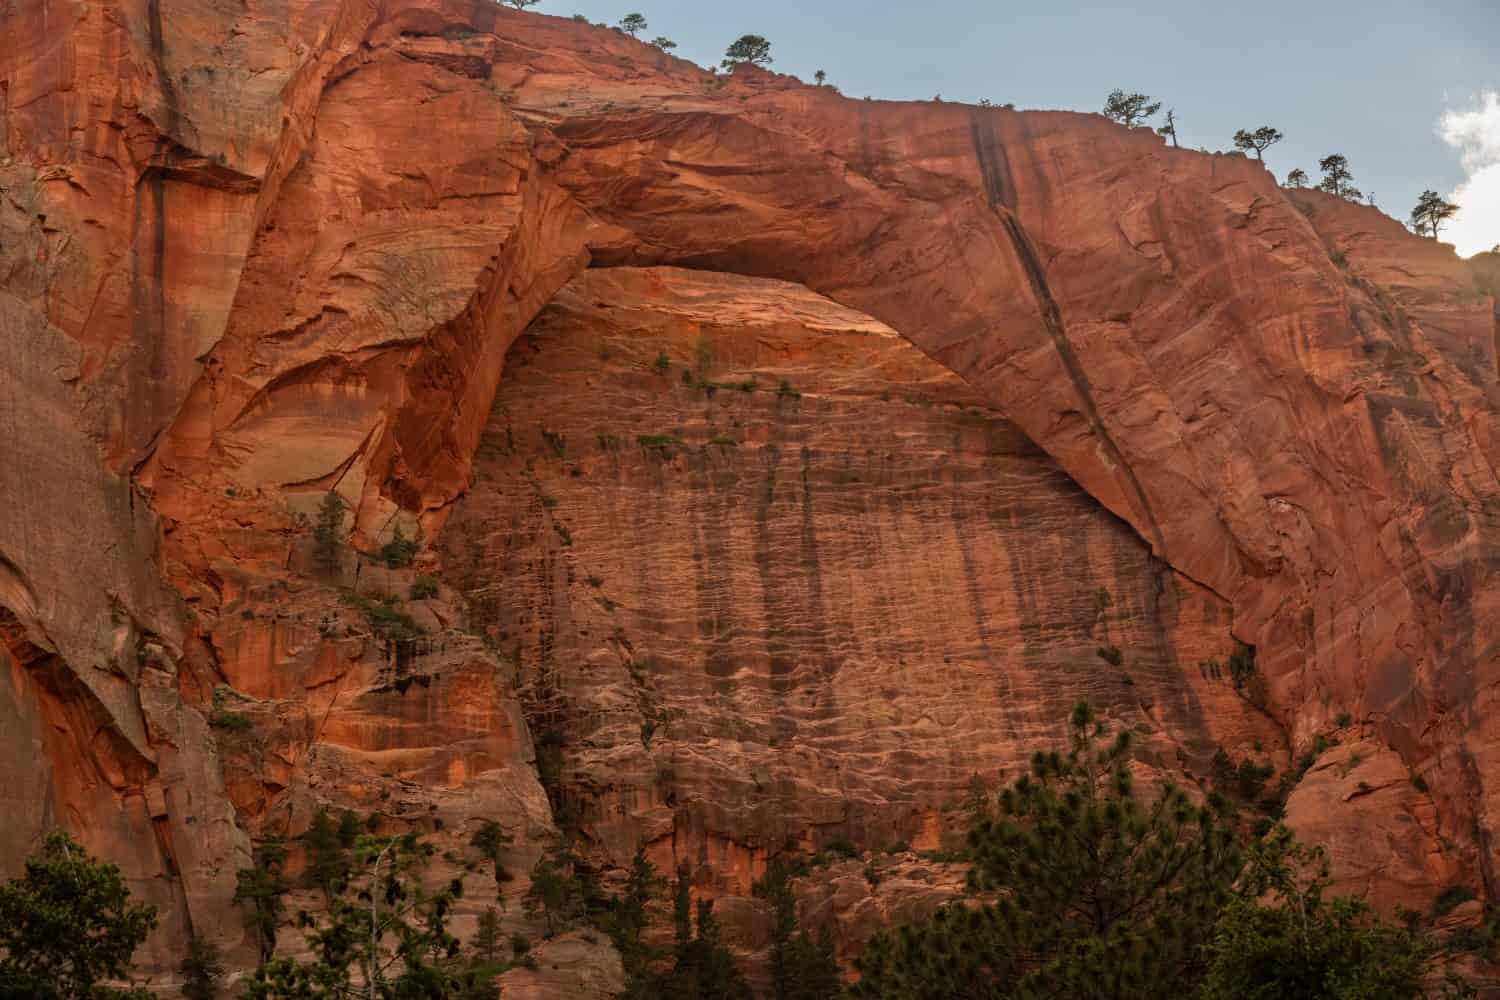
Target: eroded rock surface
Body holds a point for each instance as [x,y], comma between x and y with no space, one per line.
[1050,387]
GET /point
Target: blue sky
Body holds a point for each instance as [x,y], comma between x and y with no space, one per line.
[1371,80]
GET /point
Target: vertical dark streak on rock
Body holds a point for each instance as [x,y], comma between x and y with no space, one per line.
[1052,320]
[713,578]
[1000,191]
[994,165]
[773,600]
[816,607]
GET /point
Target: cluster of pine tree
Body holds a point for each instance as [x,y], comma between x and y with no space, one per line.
[700,966]
[1081,889]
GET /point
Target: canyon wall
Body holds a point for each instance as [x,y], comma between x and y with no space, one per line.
[780,462]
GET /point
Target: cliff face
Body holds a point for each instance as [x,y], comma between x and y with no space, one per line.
[785,459]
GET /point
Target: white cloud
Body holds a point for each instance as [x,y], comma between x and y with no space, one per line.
[1475,133]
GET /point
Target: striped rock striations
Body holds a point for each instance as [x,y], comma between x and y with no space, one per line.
[780,462]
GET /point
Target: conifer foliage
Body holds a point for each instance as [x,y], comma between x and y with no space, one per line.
[68,927]
[801,968]
[1099,895]
[1083,888]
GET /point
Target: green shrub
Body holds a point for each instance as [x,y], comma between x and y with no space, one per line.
[662,364]
[424,587]
[399,551]
[224,718]
[384,618]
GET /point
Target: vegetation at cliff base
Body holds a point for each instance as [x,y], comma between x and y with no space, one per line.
[68,928]
[1083,888]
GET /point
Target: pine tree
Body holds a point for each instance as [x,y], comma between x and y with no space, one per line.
[1297,178]
[708,971]
[553,893]
[814,975]
[67,925]
[491,841]
[1169,130]
[1281,936]
[633,24]
[327,861]
[202,969]
[1257,141]
[485,955]
[752,49]
[629,917]
[1337,180]
[260,889]
[1099,896]
[328,533]
[1430,213]
[1129,109]
[801,969]
[399,551]
[349,829]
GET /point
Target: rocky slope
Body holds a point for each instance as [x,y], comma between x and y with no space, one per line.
[785,460]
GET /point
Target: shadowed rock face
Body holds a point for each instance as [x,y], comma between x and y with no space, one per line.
[257,252]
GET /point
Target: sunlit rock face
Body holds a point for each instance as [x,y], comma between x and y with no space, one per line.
[949,400]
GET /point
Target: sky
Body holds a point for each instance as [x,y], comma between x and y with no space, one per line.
[1408,91]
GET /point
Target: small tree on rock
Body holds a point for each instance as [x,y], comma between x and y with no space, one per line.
[1337,180]
[1257,141]
[327,860]
[664,43]
[491,841]
[633,24]
[1169,130]
[328,533]
[523,4]
[1297,178]
[752,49]
[202,969]
[820,77]
[1129,109]
[553,893]
[259,890]
[1430,213]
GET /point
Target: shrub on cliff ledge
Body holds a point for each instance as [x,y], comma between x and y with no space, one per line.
[1129,109]
[752,49]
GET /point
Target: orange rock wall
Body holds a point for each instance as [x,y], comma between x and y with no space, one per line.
[252,255]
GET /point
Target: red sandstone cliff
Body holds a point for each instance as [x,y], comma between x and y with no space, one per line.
[1050,386]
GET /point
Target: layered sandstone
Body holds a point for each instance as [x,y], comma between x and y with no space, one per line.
[1051,386]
